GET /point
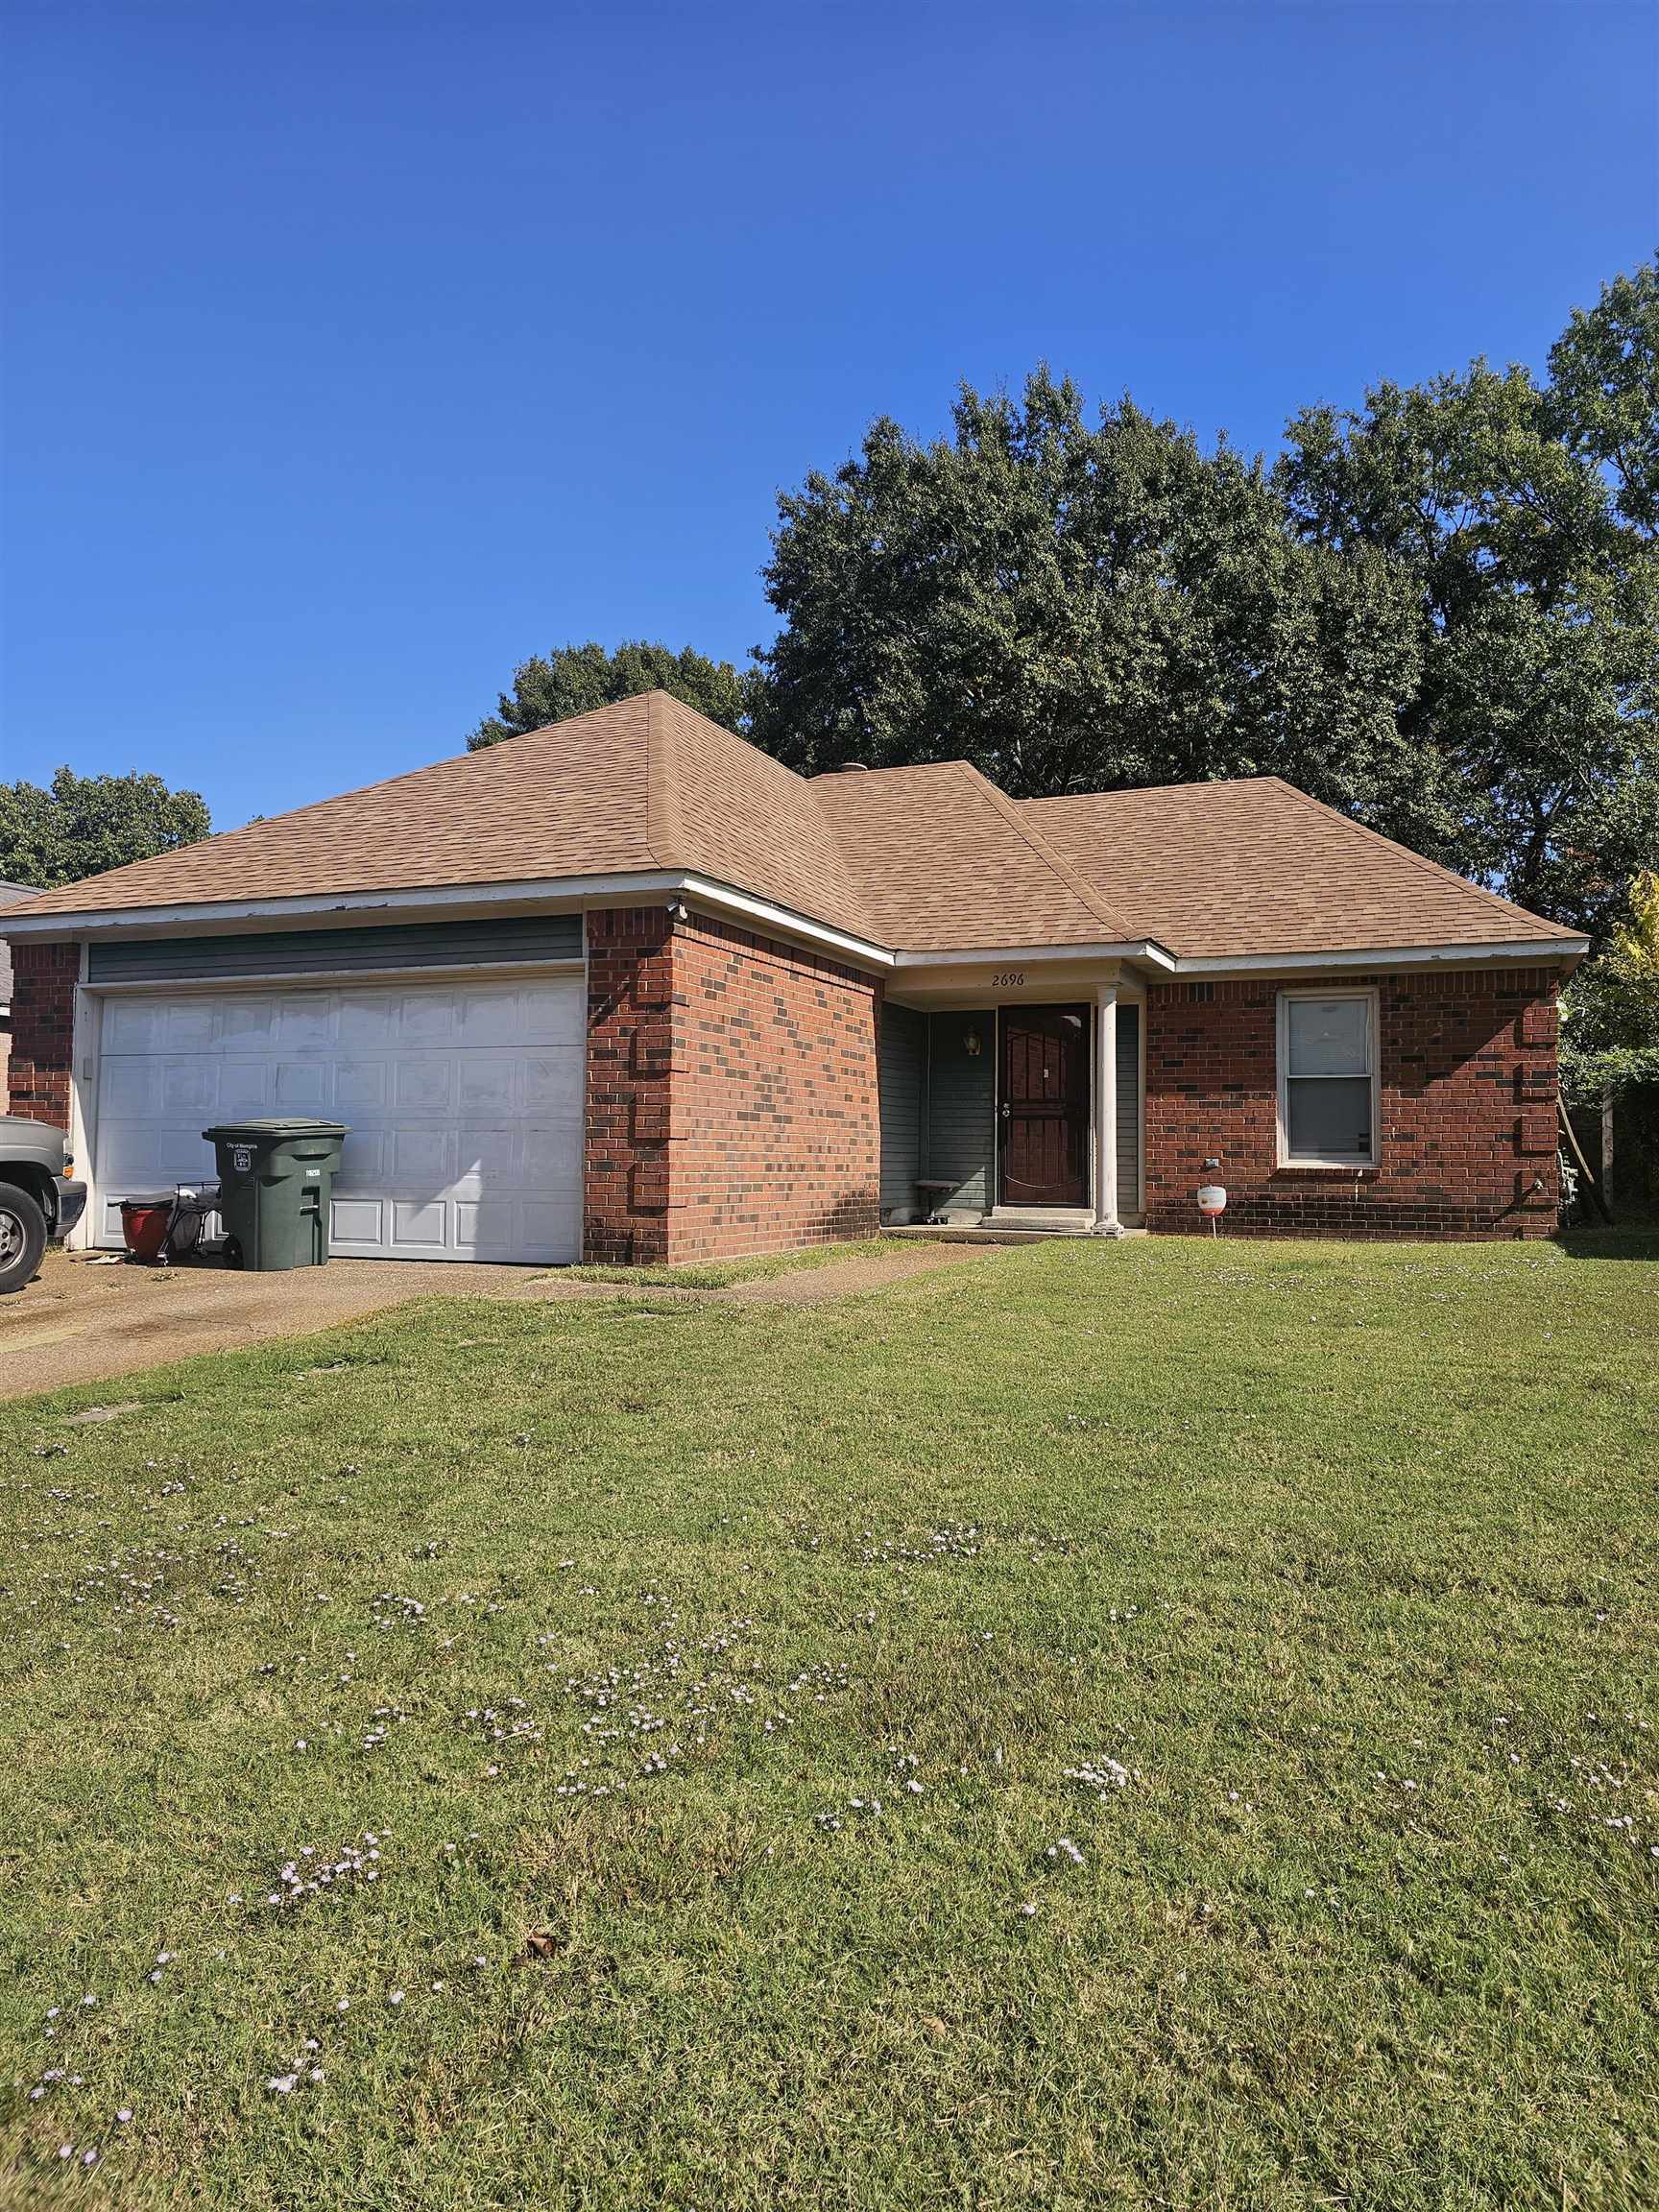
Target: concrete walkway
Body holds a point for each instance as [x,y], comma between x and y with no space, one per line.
[80,1321]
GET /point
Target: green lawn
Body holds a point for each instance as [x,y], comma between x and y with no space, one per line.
[1268,1633]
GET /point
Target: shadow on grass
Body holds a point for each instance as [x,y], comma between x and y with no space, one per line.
[1635,1240]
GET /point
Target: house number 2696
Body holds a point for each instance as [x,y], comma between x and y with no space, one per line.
[1008,979]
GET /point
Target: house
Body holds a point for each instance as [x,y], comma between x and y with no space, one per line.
[626,987]
[10,895]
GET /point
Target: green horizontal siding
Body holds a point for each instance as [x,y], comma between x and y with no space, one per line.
[902,1066]
[504,941]
[961,1137]
[1128,1109]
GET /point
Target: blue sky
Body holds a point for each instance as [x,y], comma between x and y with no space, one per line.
[354,352]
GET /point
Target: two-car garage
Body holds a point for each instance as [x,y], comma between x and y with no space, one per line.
[462,1091]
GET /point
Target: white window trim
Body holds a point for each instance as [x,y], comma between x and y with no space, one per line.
[1341,1162]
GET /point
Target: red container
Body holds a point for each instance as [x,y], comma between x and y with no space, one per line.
[144,1226]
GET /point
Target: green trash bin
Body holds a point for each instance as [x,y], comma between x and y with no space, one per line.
[275,1179]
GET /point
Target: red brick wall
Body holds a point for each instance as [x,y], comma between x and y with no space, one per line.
[1468,1118]
[731,1102]
[630,1015]
[775,1135]
[43,979]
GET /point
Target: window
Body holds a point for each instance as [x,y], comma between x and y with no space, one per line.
[1328,1101]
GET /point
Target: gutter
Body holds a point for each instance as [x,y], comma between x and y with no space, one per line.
[574,892]
[579,892]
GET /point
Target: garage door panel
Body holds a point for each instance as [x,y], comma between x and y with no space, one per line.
[190,1025]
[486,1081]
[551,1013]
[420,1222]
[302,1087]
[184,1157]
[489,1016]
[366,1021]
[363,1160]
[245,1090]
[424,1158]
[132,1086]
[134,1026]
[486,1160]
[545,1143]
[549,1224]
[189,1087]
[465,1102]
[360,1086]
[552,1080]
[424,1085]
[426,1018]
[246,1025]
[360,1222]
[128,1154]
[305,1021]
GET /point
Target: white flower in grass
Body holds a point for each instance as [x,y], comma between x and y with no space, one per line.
[283,2084]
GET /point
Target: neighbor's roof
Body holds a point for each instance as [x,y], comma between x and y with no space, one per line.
[9,896]
[917,859]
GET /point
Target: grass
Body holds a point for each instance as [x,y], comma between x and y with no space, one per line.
[1333,1567]
[722,1274]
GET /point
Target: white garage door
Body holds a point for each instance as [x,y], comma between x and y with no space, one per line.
[464,1102]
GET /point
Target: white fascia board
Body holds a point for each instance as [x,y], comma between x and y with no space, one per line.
[573,892]
[994,955]
[1534,950]
[765,914]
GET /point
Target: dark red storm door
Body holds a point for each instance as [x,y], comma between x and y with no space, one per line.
[1043,1114]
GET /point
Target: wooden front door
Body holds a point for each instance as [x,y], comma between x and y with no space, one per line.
[1043,1113]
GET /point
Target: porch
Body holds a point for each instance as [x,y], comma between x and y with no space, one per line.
[1009,1119]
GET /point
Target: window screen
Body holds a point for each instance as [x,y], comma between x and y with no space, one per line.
[1326,1080]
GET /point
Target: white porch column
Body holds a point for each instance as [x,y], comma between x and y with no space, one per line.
[1106,1222]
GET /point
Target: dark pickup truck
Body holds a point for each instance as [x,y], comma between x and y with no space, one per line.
[39,1201]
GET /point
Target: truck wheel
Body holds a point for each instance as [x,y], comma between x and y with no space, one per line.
[22,1238]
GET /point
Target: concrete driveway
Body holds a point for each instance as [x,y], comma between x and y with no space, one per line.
[80,1321]
[83,1321]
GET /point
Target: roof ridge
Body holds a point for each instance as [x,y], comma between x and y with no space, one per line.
[1056,862]
[1143,790]
[1418,859]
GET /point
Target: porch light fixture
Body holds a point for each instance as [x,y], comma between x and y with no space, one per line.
[970,1043]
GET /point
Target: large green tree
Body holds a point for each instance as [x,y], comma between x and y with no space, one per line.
[575,679]
[1074,604]
[1439,611]
[81,825]
[1525,514]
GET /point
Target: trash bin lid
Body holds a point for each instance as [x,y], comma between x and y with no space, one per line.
[277,1125]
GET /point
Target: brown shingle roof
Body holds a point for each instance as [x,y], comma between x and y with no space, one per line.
[1256,867]
[568,800]
[948,861]
[918,859]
